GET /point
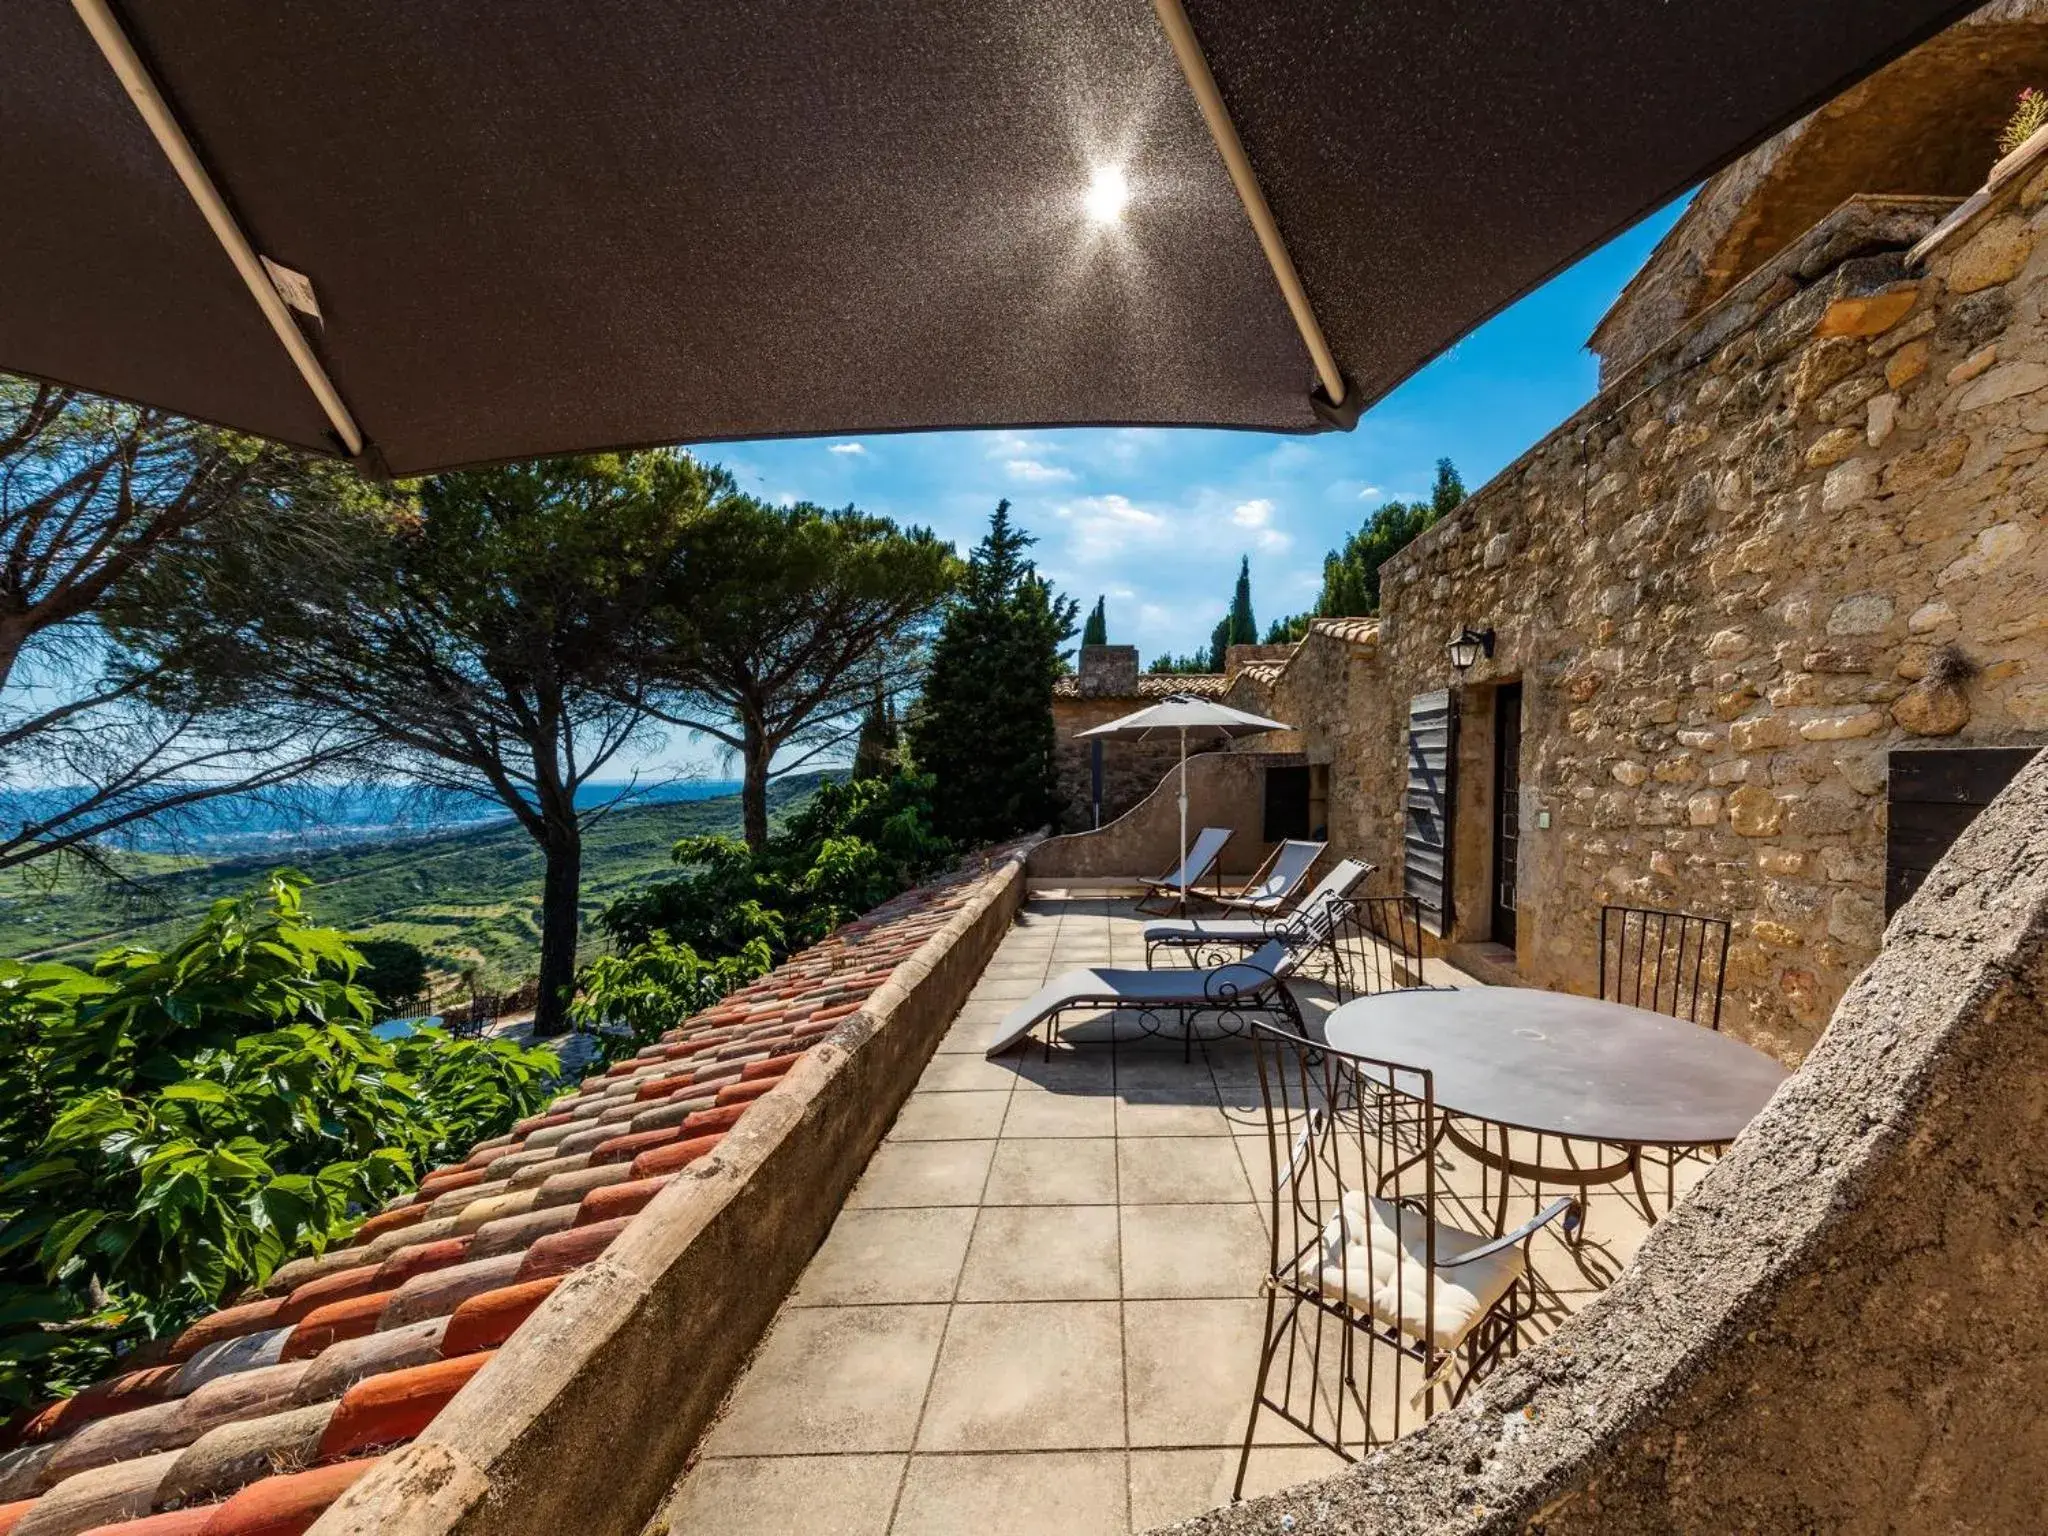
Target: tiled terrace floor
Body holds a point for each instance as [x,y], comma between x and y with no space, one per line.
[1040,1309]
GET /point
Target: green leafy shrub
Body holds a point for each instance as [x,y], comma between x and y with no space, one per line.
[394,972]
[174,1125]
[629,1000]
[849,847]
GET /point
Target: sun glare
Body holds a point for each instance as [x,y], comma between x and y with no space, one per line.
[1106,195]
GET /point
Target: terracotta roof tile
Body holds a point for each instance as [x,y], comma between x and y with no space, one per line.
[1359,631]
[179,1522]
[362,1345]
[337,1321]
[284,1506]
[396,1405]
[487,1320]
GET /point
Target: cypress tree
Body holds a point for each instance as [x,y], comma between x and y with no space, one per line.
[1096,630]
[984,727]
[1237,627]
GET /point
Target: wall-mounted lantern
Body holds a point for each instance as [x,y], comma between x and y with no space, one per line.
[1467,646]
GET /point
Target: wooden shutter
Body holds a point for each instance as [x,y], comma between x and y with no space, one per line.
[1932,794]
[1426,836]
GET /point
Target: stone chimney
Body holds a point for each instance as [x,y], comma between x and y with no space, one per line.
[1108,672]
[1236,656]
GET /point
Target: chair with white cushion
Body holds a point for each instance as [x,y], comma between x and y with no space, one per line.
[1376,1302]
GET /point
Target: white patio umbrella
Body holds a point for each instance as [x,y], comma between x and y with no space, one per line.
[1185,715]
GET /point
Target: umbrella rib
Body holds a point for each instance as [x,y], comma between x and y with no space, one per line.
[1194,64]
[156,113]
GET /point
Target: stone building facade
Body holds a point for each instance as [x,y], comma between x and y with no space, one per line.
[1104,687]
[1806,530]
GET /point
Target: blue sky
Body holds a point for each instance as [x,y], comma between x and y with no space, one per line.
[1157,518]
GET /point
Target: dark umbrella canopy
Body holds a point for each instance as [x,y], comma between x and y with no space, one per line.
[536,227]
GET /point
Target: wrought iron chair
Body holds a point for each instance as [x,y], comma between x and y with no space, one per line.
[1376,946]
[1374,1305]
[1667,962]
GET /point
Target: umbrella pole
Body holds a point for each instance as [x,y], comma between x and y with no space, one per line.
[1183,820]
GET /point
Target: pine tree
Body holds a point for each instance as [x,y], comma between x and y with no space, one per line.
[1096,630]
[984,727]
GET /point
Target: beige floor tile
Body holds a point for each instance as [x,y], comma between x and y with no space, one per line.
[1193,1250]
[1059,1114]
[1053,1170]
[972,1036]
[963,1072]
[1028,1376]
[1046,1493]
[1089,1073]
[1190,1366]
[873,1256]
[1180,1170]
[1152,1113]
[773,1495]
[1042,1253]
[833,1379]
[949,1117]
[1173,1485]
[907,1173]
[1164,1073]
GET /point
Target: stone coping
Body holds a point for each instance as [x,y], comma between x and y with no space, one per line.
[1840,1328]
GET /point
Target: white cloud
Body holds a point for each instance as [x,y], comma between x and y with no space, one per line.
[1106,527]
[1252,514]
[1369,490]
[1037,471]
[848,448]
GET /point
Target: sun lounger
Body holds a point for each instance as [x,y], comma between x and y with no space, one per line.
[1271,890]
[1176,885]
[1256,984]
[1217,939]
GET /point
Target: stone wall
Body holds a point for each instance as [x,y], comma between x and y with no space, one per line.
[1806,530]
[1225,789]
[1131,770]
[1839,1329]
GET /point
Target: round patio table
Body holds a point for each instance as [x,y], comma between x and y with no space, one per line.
[1558,1065]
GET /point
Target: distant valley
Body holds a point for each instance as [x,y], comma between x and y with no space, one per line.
[468,894]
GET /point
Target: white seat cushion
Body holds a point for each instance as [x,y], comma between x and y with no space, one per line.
[1372,1259]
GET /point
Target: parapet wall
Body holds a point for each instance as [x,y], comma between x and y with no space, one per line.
[583,1418]
[1225,789]
[1841,1328]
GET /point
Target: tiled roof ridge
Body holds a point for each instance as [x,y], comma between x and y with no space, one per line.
[1361,630]
[1151,685]
[356,1349]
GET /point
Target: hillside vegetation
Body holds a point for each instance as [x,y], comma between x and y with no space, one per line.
[466,896]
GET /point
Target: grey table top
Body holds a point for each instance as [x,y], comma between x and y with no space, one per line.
[1570,1066]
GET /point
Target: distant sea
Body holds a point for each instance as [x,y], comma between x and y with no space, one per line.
[321,816]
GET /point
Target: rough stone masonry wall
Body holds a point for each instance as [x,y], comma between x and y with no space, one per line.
[1840,1329]
[1131,770]
[1806,531]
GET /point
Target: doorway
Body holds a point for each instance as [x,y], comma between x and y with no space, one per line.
[1507,800]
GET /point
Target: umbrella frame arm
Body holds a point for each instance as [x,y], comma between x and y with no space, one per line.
[1336,403]
[163,125]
